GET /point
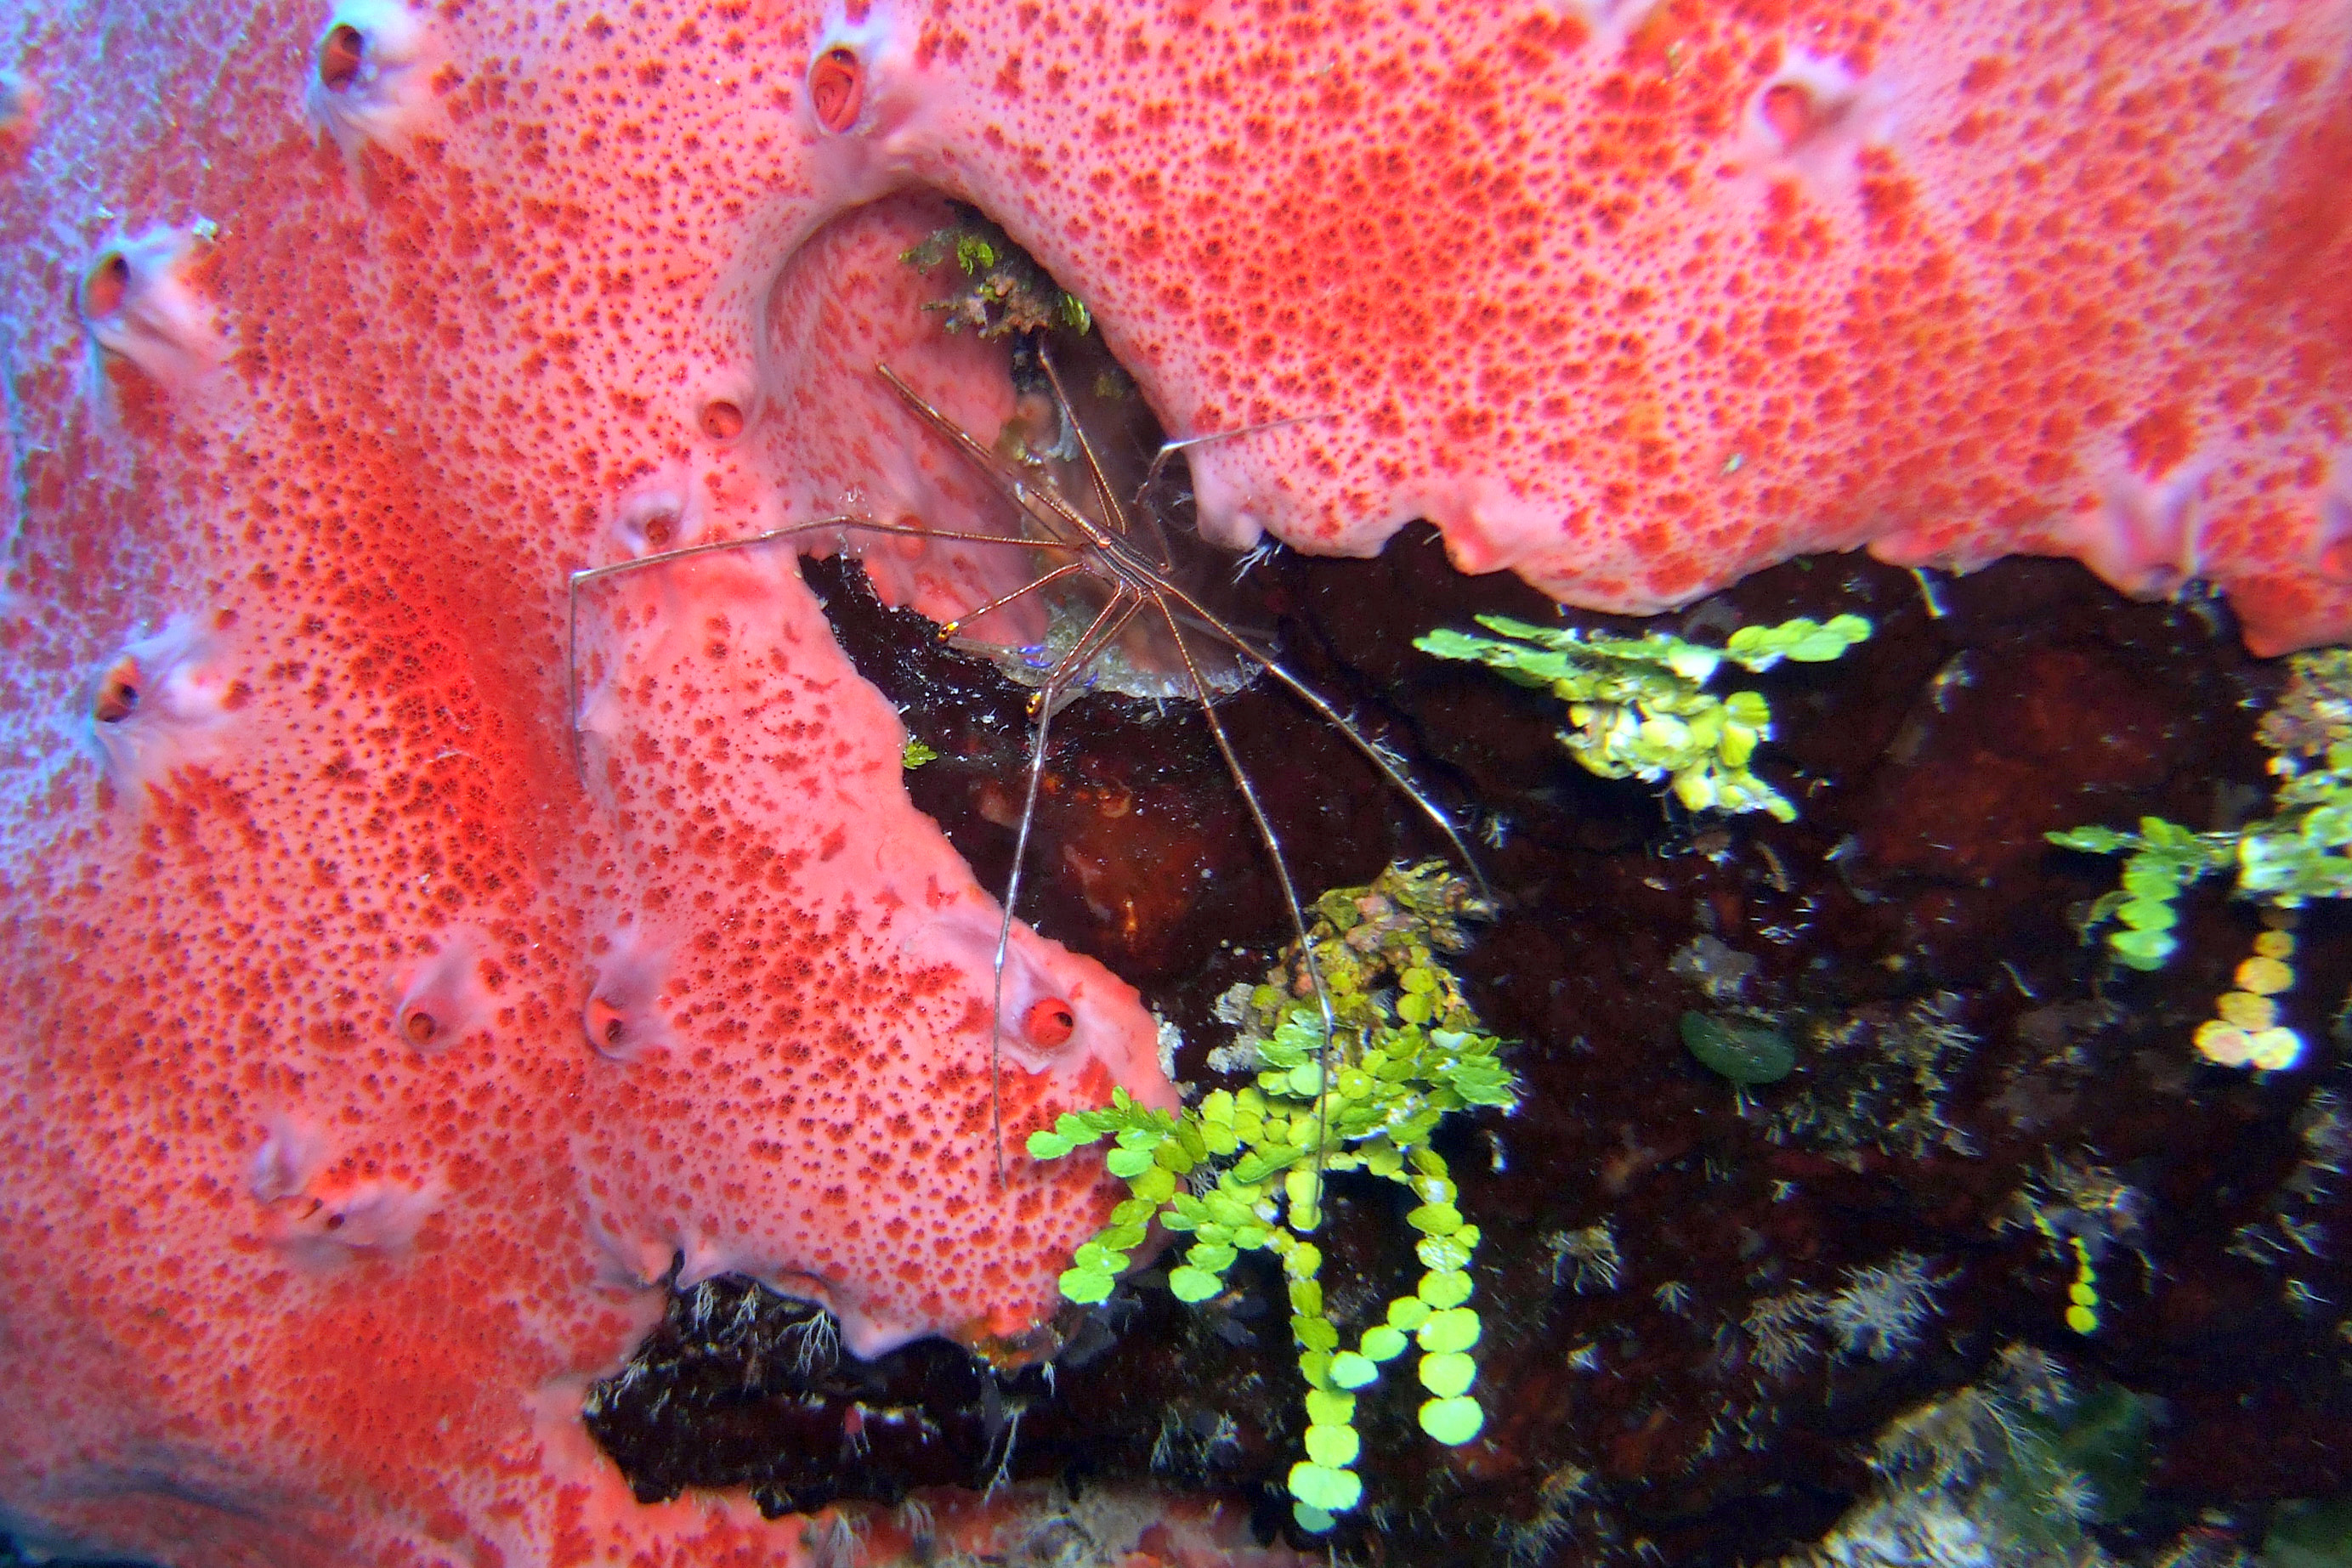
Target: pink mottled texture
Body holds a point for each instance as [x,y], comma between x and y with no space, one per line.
[369,1056]
[316,390]
[1636,299]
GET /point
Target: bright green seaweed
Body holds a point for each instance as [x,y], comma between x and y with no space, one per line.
[1639,704]
[1243,1170]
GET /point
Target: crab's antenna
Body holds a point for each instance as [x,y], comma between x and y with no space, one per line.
[1185,444]
[1108,621]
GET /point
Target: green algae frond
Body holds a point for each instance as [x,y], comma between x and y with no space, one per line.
[2302,851]
[1243,1170]
[1639,704]
[2165,860]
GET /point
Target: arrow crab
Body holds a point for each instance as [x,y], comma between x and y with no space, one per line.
[1115,552]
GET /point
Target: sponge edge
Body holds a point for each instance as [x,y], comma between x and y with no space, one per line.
[1793,292]
[843,300]
[825,970]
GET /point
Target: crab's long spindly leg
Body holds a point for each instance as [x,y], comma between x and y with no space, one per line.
[1068,526]
[949,627]
[1185,444]
[1266,836]
[1108,621]
[1126,522]
[1314,699]
[593,574]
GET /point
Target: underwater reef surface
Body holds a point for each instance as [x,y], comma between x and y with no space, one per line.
[434,983]
[1717,1319]
[1722,1323]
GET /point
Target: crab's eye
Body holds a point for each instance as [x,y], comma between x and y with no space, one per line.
[1049,1022]
[836,84]
[421,1027]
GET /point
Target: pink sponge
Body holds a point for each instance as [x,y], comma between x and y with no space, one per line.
[371,1047]
[790,983]
[1634,299]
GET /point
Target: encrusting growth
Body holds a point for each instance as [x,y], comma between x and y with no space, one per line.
[438,358]
[1242,1171]
[1007,294]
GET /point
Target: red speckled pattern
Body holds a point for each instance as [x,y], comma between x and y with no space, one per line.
[316,391]
[370,1052]
[1635,300]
